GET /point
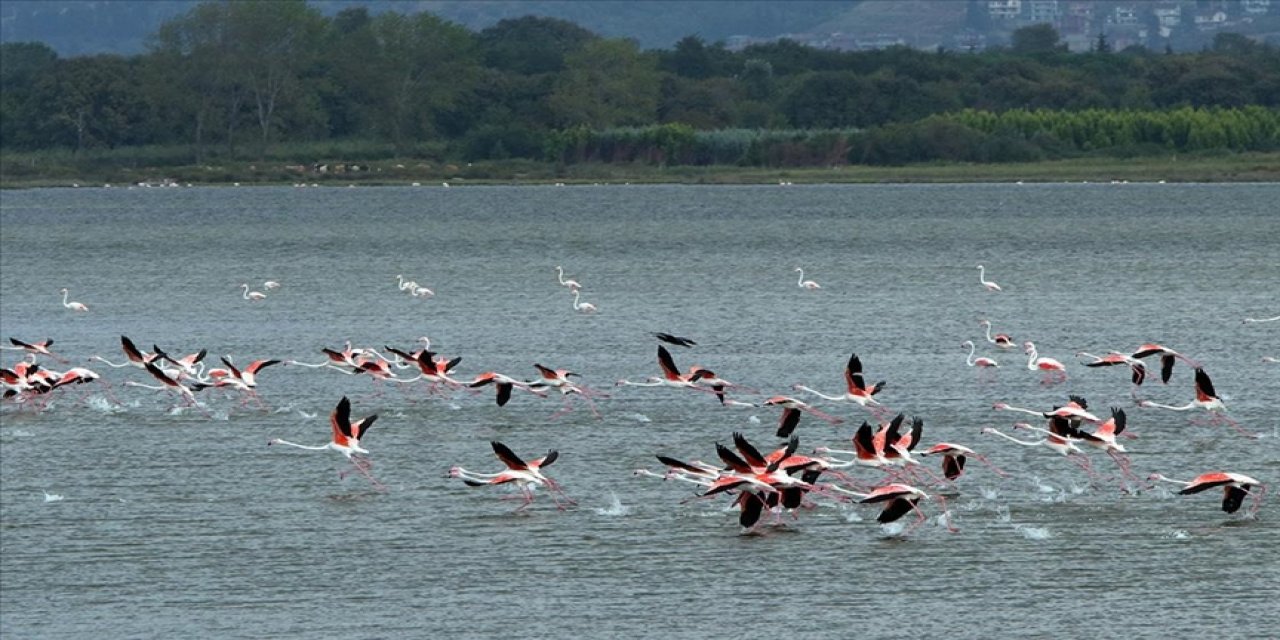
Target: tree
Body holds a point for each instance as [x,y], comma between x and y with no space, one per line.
[608,83]
[1101,45]
[531,45]
[1037,38]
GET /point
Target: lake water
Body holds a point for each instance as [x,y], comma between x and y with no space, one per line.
[187,525]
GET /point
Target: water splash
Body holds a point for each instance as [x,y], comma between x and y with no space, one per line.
[21,433]
[1003,516]
[102,405]
[53,497]
[753,420]
[989,493]
[892,529]
[852,516]
[615,507]
[1033,533]
[1178,534]
[638,417]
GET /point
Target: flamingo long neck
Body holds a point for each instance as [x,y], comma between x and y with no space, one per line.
[818,393]
[301,446]
[989,338]
[1186,407]
[1010,438]
[1032,355]
[1171,480]
[65,294]
[560,275]
[246,291]
[982,274]
[972,349]
[800,281]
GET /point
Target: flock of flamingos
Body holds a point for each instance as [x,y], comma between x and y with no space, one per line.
[770,481]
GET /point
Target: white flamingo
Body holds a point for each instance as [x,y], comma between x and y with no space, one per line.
[582,307]
[252,295]
[806,284]
[74,306]
[982,277]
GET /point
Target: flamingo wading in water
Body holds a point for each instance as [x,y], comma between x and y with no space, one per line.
[809,285]
[982,277]
[72,305]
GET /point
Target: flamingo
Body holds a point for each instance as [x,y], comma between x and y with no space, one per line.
[1056,443]
[1115,358]
[558,379]
[809,285]
[252,295]
[676,340]
[270,284]
[187,391]
[190,364]
[525,475]
[981,361]
[856,388]
[790,417]
[503,383]
[1256,320]
[982,277]
[135,357]
[1235,487]
[901,498]
[1075,410]
[345,438]
[572,284]
[74,306]
[1051,368]
[582,307]
[1002,340]
[35,348]
[1104,438]
[1207,399]
[953,459]
[671,376]
[405,285]
[1167,358]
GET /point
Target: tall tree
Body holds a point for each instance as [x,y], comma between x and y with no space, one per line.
[607,83]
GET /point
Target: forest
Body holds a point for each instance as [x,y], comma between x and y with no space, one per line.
[279,80]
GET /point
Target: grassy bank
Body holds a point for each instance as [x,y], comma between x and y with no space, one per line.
[45,170]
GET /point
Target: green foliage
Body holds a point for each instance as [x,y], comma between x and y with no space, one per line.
[278,73]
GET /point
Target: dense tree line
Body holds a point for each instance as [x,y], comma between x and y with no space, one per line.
[234,78]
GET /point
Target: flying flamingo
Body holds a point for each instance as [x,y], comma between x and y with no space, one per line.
[582,307]
[252,295]
[902,499]
[1104,438]
[982,277]
[1207,399]
[35,348]
[558,379]
[856,388]
[187,391]
[1061,445]
[270,284]
[676,340]
[790,417]
[1115,358]
[503,383]
[74,306]
[1235,487]
[980,361]
[1167,358]
[1002,340]
[1054,371]
[525,475]
[1075,410]
[572,284]
[135,356]
[345,439]
[808,285]
[954,456]
[1256,320]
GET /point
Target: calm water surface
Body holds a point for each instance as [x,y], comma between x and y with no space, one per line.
[184,525]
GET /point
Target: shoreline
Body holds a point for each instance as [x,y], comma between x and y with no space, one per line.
[1243,168]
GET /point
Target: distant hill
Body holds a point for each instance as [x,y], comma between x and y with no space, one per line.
[78,27]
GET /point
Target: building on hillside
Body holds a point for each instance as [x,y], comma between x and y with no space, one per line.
[1044,11]
[1211,20]
[1123,14]
[1004,9]
[1255,7]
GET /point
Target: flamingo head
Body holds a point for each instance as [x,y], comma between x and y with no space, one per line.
[1021,425]
[999,406]
[455,471]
